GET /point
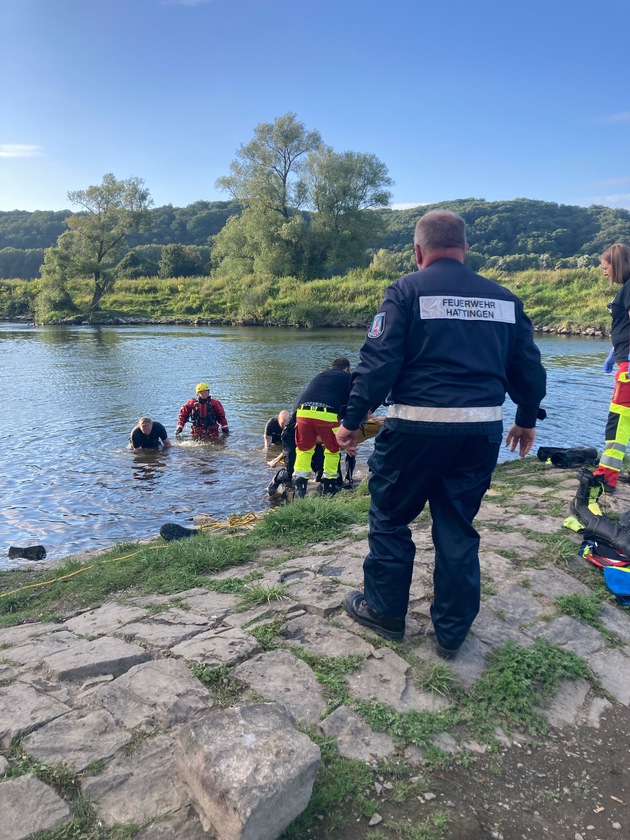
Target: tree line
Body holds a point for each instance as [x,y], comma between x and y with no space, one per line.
[298,208]
[509,235]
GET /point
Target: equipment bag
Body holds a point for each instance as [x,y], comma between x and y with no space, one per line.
[618,581]
[567,458]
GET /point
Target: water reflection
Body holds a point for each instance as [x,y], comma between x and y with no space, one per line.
[149,465]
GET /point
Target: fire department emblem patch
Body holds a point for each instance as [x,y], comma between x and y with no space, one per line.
[378,325]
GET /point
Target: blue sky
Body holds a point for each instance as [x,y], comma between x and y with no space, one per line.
[493,100]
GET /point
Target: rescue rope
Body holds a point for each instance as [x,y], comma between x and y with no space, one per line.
[245,521]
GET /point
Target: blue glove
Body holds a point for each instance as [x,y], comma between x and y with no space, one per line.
[609,364]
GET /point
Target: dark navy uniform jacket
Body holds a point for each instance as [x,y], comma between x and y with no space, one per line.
[331,388]
[447,337]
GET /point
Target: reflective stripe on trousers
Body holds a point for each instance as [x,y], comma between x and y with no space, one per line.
[617,428]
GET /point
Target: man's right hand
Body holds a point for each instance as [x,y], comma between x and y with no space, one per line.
[347,439]
[178,430]
[523,437]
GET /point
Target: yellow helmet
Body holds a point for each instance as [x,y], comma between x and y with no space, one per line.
[203,386]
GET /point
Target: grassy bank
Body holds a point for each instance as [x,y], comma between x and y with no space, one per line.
[569,300]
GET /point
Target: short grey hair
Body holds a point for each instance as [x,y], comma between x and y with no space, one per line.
[440,229]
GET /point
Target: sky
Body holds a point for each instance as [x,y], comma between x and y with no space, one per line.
[498,99]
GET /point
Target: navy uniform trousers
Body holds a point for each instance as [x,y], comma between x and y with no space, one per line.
[452,472]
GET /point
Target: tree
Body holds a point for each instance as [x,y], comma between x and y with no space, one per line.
[281,173]
[96,240]
[179,261]
[266,172]
[344,188]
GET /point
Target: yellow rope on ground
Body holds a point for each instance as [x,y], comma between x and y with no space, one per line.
[76,572]
[235,521]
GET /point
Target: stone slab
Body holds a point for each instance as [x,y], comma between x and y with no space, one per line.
[161,694]
[208,603]
[317,635]
[494,632]
[249,771]
[104,620]
[384,677]
[23,709]
[218,647]
[166,629]
[569,633]
[499,569]
[90,659]
[567,703]
[517,604]
[136,788]
[512,541]
[23,632]
[321,596]
[29,806]
[469,664]
[553,583]
[180,825]
[613,669]
[40,648]
[616,622]
[280,676]
[78,739]
[354,738]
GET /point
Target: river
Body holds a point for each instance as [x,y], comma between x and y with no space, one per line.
[70,396]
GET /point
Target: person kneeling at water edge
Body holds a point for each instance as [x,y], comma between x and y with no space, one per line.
[274,428]
[206,415]
[446,367]
[148,434]
[317,414]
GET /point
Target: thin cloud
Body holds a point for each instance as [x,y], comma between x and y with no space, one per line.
[616,200]
[613,182]
[407,205]
[622,117]
[13,150]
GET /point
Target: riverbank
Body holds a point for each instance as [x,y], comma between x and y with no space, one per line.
[565,301]
[523,735]
[130,321]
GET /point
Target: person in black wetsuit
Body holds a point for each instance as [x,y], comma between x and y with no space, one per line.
[148,434]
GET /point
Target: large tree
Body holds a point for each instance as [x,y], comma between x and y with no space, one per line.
[307,209]
[344,187]
[266,172]
[97,237]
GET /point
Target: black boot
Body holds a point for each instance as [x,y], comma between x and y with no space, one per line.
[329,486]
[171,531]
[300,487]
[31,552]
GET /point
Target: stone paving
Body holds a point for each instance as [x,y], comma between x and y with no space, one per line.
[110,692]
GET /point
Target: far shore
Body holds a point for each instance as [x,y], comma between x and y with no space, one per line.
[132,321]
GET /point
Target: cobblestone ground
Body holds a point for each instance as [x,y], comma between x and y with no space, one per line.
[108,691]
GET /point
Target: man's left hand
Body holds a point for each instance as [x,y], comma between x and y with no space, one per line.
[523,437]
[347,439]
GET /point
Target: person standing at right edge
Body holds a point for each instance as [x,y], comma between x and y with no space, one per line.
[615,263]
[446,346]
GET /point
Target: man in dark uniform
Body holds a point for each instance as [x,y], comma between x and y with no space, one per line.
[318,410]
[446,346]
[148,434]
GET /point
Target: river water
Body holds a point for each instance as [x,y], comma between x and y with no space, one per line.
[69,397]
